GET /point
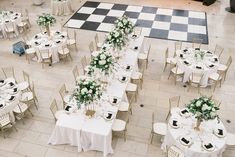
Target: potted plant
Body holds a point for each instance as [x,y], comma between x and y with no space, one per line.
[46,20]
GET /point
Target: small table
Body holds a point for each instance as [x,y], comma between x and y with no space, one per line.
[42,42]
[187,61]
[186,129]
[61,7]
[9,19]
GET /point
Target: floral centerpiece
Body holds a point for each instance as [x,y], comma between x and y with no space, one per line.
[203,108]
[117,39]
[46,20]
[103,61]
[124,24]
[199,54]
[87,90]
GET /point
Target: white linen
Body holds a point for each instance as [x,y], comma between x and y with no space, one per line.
[61,7]
[189,69]
[187,129]
[9,19]
[8,105]
[96,133]
[43,39]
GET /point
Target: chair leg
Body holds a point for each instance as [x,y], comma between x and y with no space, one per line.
[151,138]
[168,115]
[35,103]
[169,76]
[124,135]
[164,67]
[30,112]
[2,131]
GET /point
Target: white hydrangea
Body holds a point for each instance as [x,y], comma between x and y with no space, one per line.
[102,56]
[102,62]
[84,91]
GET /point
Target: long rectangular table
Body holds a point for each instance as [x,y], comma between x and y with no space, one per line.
[96,133]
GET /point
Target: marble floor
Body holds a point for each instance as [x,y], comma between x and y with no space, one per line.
[31,138]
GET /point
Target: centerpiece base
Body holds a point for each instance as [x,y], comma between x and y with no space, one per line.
[90,113]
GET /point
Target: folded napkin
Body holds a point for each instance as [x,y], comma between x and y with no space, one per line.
[209,52]
[215,59]
[36,36]
[128,67]
[15,90]
[11,98]
[174,123]
[184,111]
[57,42]
[62,36]
[15,17]
[220,132]
[136,48]
[185,140]
[7,21]
[109,116]
[185,50]
[11,12]
[185,62]
[114,100]
[11,84]
[123,78]
[197,48]
[1,81]
[212,65]
[198,67]
[47,45]
[67,108]
[208,146]
[1,105]
[181,55]
[16,14]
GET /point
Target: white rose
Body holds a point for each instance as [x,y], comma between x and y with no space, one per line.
[212,114]
[84,91]
[198,103]
[116,34]
[204,107]
[90,91]
[102,56]
[102,62]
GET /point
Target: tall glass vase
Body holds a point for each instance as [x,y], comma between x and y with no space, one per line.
[48,31]
[198,123]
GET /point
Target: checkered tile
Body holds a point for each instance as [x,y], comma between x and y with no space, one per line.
[171,24]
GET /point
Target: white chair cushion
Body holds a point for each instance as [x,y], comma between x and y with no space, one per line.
[21,24]
[136,75]
[131,87]
[99,45]
[45,55]
[67,98]
[59,113]
[222,67]
[179,71]
[119,125]
[65,51]
[195,79]
[10,29]
[142,56]
[23,85]
[171,60]
[71,41]
[27,96]
[23,108]
[160,128]
[5,120]
[30,50]
[174,110]
[123,106]
[215,76]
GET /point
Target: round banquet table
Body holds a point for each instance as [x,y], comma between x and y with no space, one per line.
[9,19]
[206,134]
[187,62]
[61,7]
[42,42]
[8,97]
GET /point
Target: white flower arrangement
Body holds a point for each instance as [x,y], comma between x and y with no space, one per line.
[87,90]
[203,108]
[116,38]
[124,24]
[103,61]
[45,20]
[199,54]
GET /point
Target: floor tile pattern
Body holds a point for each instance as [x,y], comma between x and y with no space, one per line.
[171,24]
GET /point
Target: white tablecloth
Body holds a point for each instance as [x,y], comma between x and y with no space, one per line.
[96,133]
[191,68]
[39,42]
[5,93]
[187,129]
[9,19]
[61,7]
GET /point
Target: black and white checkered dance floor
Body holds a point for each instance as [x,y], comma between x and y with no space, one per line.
[171,24]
